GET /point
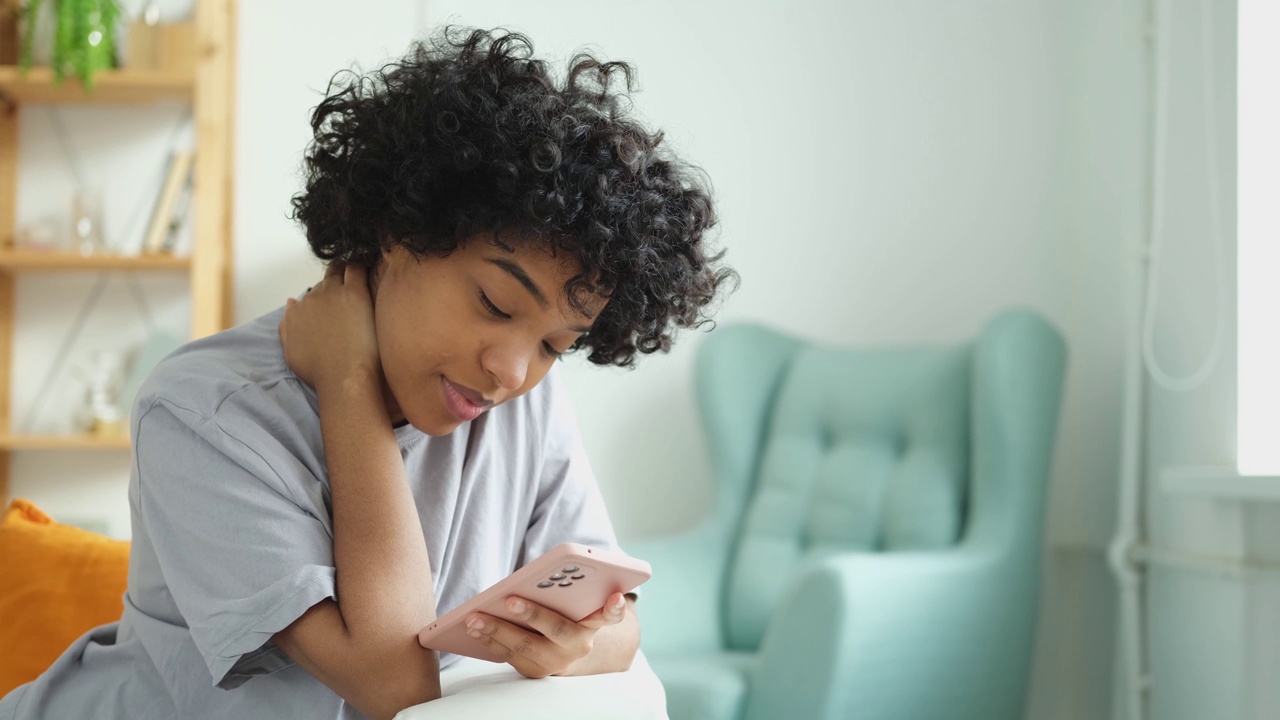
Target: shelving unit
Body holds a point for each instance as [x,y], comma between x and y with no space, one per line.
[211,91]
[16,261]
[110,86]
[60,442]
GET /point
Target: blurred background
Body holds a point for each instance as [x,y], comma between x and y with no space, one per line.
[887,173]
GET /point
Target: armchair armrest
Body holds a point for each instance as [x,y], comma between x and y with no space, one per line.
[900,635]
[679,607]
[738,371]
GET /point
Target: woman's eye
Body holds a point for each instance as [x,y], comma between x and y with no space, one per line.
[555,354]
[493,309]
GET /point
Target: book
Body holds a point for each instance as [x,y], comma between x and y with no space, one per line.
[178,176]
[178,217]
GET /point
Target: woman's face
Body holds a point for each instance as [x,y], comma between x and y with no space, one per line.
[463,333]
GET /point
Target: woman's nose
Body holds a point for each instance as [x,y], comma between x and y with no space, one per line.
[507,366]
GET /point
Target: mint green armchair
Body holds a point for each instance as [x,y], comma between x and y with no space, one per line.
[874,547]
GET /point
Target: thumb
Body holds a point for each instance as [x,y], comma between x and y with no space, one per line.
[614,610]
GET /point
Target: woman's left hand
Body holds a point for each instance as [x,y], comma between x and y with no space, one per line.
[562,643]
[328,336]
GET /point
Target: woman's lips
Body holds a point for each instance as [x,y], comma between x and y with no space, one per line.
[460,403]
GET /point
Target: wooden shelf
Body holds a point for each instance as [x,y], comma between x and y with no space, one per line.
[15,261]
[64,442]
[110,86]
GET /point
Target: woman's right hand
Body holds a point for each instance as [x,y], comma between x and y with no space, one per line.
[329,334]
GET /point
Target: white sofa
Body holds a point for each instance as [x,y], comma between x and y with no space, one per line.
[478,689]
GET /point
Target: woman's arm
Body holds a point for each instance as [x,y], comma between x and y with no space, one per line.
[364,646]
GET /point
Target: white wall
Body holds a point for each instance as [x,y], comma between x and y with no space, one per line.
[1101,155]
[887,172]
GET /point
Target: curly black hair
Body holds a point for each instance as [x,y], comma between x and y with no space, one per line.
[469,134]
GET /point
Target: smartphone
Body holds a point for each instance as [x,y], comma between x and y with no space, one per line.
[571,579]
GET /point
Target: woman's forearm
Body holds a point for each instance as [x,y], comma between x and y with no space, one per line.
[383,572]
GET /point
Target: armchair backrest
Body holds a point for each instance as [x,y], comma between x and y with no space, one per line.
[822,449]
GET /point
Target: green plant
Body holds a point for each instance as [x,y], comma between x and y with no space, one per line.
[27,15]
[84,37]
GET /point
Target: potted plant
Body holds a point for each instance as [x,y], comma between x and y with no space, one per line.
[84,36]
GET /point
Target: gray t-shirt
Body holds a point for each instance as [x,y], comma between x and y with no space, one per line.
[233,533]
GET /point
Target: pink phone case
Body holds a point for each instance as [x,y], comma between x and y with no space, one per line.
[573,580]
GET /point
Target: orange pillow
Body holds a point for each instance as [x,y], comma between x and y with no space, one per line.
[56,583]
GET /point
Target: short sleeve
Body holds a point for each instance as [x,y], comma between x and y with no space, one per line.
[239,554]
[569,505]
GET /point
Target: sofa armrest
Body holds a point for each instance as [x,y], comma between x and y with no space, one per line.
[479,689]
[899,635]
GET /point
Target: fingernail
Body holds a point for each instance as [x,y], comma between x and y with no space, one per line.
[621,602]
[475,624]
[517,606]
[474,633]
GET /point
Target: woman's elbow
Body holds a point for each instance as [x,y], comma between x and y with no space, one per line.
[393,689]
[392,704]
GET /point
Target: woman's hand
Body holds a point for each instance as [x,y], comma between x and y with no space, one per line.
[329,334]
[561,644]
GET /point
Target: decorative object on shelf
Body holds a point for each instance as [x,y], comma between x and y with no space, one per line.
[101,413]
[168,213]
[46,234]
[84,36]
[86,221]
[155,45]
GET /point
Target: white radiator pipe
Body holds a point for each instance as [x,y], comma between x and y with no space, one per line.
[1121,556]
[1128,553]
[1129,698]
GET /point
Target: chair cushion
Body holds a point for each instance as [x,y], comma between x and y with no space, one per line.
[705,687]
[58,582]
[867,450]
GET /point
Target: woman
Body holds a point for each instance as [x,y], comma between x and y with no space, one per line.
[310,488]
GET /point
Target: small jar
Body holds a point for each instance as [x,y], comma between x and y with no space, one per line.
[44,235]
[101,413]
[86,222]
